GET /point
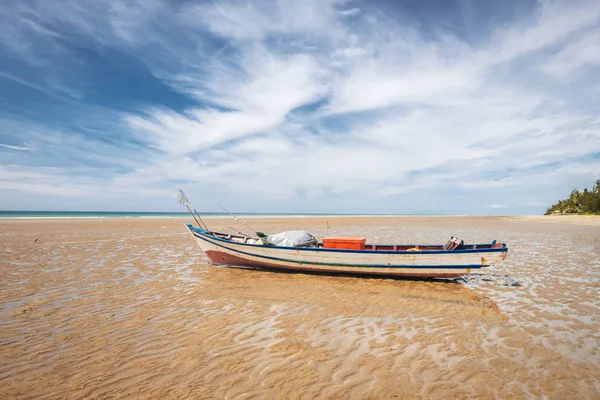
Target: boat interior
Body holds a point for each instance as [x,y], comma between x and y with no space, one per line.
[366,246]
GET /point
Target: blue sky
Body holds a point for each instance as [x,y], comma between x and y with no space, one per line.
[444,107]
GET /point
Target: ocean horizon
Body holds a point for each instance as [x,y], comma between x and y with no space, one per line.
[153,214]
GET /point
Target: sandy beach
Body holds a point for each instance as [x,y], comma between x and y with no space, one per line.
[130,308]
[562,219]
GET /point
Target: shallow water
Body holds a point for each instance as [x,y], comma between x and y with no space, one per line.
[132,309]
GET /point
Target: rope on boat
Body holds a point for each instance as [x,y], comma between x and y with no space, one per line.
[487,279]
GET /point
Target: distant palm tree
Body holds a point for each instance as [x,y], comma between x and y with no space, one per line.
[586,202]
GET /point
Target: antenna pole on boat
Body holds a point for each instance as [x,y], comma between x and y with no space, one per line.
[237,219]
[183,200]
[238,232]
[198,215]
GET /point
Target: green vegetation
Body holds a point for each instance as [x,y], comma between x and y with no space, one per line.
[586,202]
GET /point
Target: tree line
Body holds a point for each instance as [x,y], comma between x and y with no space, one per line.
[586,202]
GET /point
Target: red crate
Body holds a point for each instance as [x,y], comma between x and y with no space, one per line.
[350,243]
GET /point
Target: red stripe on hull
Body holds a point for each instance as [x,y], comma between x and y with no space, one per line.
[219,257]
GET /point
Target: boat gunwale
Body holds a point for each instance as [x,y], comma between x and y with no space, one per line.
[330,264]
[504,248]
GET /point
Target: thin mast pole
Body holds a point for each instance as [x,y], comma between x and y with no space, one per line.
[237,219]
[205,227]
[198,222]
[183,200]
[239,232]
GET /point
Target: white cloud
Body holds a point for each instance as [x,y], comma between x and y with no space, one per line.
[7,146]
[585,51]
[298,101]
[496,206]
[350,11]
[554,22]
[255,20]
[261,90]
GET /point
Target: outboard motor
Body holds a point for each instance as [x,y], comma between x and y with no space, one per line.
[454,244]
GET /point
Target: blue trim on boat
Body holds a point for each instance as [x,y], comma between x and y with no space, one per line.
[345,251]
[455,266]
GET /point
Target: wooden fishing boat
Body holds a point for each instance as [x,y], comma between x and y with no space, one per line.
[350,255]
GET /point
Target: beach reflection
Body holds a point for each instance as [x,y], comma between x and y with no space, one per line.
[374,296]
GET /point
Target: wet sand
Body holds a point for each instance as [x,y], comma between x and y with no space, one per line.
[131,309]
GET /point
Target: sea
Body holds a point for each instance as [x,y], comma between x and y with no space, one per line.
[143,214]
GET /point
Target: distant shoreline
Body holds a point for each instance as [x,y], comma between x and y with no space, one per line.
[572,219]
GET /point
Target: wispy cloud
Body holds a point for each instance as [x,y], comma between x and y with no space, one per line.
[497,206]
[582,52]
[312,106]
[7,146]
[350,11]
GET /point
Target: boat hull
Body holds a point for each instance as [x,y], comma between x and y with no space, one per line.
[426,264]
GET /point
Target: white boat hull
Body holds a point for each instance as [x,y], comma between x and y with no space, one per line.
[440,264]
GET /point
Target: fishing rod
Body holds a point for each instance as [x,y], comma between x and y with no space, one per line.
[239,232]
[183,200]
[238,220]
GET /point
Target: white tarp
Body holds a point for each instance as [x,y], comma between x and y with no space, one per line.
[291,239]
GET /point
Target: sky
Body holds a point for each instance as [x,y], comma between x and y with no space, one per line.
[325,106]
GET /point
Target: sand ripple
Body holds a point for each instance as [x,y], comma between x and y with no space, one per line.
[132,309]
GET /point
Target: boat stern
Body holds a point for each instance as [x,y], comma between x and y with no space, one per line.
[493,257]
